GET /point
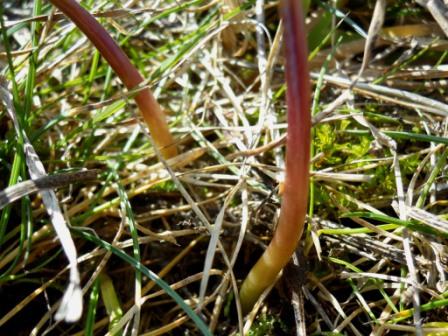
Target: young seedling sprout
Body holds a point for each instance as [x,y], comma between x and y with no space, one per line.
[295,194]
[117,59]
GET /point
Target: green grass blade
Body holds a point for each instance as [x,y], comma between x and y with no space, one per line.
[414,226]
[405,136]
[151,275]
[91,310]
[110,300]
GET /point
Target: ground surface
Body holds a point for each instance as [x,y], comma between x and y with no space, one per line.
[373,258]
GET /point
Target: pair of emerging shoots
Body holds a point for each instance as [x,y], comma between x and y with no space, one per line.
[295,194]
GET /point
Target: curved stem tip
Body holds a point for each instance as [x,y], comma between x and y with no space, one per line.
[117,59]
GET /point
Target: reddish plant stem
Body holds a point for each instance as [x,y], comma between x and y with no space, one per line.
[117,59]
[295,193]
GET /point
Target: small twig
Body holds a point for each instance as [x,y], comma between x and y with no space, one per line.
[19,190]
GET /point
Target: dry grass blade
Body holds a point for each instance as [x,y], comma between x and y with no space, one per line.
[438,10]
[375,26]
[211,250]
[408,99]
[70,309]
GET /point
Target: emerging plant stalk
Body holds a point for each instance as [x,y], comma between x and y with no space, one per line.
[295,193]
[117,59]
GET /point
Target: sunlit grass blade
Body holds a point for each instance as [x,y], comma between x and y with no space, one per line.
[110,300]
[412,225]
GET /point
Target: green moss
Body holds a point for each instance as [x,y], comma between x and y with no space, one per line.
[267,325]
